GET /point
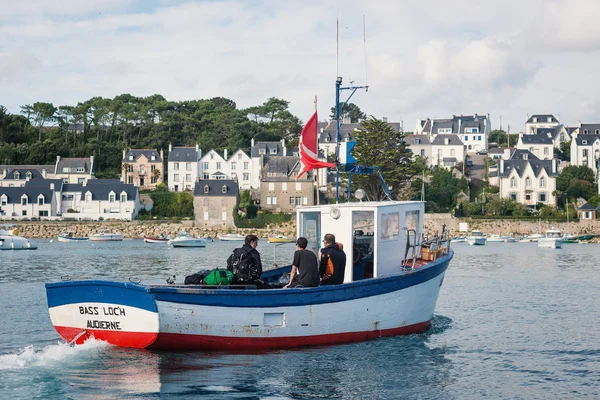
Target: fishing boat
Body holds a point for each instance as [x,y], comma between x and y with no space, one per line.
[161,239]
[390,288]
[459,239]
[10,239]
[569,238]
[477,238]
[536,237]
[496,238]
[232,237]
[106,236]
[552,239]
[184,239]
[69,236]
[393,292]
[280,239]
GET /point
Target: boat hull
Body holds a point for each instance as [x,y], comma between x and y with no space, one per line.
[178,317]
[106,238]
[155,240]
[280,240]
[550,243]
[66,239]
[13,242]
[476,241]
[188,243]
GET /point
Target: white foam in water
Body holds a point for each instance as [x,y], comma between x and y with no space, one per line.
[220,389]
[36,357]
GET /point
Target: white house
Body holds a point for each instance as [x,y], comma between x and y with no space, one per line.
[446,151]
[74,170]
[558,134]
[240,165]
[541,146]
[213,166]
[538,121]
[472,130]
[183,168]
[528,180]
[28,201]
[419,145]
[585,150]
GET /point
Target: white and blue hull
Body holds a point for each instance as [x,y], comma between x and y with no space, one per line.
[178,317]
[551,243]
[476,241]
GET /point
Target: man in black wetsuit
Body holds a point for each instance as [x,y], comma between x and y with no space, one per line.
[333,262]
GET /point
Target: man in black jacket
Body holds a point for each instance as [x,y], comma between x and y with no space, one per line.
[332,266]
[245,262]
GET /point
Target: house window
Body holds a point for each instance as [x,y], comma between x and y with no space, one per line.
[298,186]
[24,201]
[152,179]
[417,141]
[152,157]
[274,200]
[65,180]
[188,177]
[585,152]
[246,177]
[130,168]
[130,158]
[542,182]
[274,151]
[142,169]
[80,169]
[88,197]
[513,182]
[546,152]
[130,180]
[3,201]
[176,166]
[43,213]
[41,200]
[17,175]
[528,196]
[212,156]
[24,213]
[67,197]
[80,180]
[111,197]
[527,182]
[466,138]
[153,168]
[224,189]
[66,170]
[452,152]
[123,197]
[224,215]
[239,156]
[176,177]
[206,215]
[28,175]
[233,166]
[284,186]
[204,165]
[218,165]
[439,153]
[205,176]
[513,196]
[245,166]
[305,200]
[188,166]
[422,153]
[478,137]
[206,188]
[271,186]
[268,200]
[542,197]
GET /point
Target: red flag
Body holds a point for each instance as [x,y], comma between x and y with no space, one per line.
[309,150]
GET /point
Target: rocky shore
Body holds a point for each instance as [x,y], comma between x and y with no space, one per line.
[139,229]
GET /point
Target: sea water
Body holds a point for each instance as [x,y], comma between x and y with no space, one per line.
[512,321]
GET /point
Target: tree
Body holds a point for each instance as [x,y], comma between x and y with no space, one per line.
[577,181]
[500,137]
[378,144]
[351,111]
[564,152]
[441,191]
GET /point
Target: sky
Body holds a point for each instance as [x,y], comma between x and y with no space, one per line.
[420,59]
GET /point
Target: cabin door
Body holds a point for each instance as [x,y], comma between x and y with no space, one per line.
[310,228]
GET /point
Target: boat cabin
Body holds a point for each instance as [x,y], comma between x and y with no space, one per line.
[373,234]
[553,234]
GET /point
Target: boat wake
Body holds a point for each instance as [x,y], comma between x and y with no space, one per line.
[31,356]
[439,324]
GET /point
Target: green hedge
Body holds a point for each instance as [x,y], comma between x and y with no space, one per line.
[261,221]
[172,204]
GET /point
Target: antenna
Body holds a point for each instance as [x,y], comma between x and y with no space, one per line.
[337,41]
[365,48]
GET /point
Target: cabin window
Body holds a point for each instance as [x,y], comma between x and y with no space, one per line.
[363,229]
[390,226]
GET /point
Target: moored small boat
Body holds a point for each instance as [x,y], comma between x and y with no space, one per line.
[156,240]
[477,238]
[552,239]
[184,239]
[106,236]
[69,236]
[232,237]
[280,239]
[496,238]
[10,240]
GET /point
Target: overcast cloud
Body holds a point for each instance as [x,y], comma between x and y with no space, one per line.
[423,58]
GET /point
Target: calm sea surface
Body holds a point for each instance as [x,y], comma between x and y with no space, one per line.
[512,321]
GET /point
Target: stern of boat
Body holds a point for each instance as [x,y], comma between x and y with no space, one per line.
[123,314]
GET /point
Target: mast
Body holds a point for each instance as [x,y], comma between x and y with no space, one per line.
[317,147]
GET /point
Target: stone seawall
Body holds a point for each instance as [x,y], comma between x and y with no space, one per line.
[139,229]
[434,222]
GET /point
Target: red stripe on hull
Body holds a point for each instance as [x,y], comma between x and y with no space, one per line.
[174,341]
[138,340]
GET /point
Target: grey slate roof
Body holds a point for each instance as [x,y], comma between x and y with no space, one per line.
[536,139]
[454,140]
[49,168]
[412,139]
[215,188]
[266,148]
[457,123]
[496,150]
[183,154]
[72,164]
[22,174]
[520,155]
[58,183]
[283,169]
[542,118]
[588,139]
[519,165]
[14,194]
[101,188]
[589,129]
[137,153]
[587,207]
[72,187]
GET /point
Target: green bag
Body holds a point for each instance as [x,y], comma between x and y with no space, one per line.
[219,276]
